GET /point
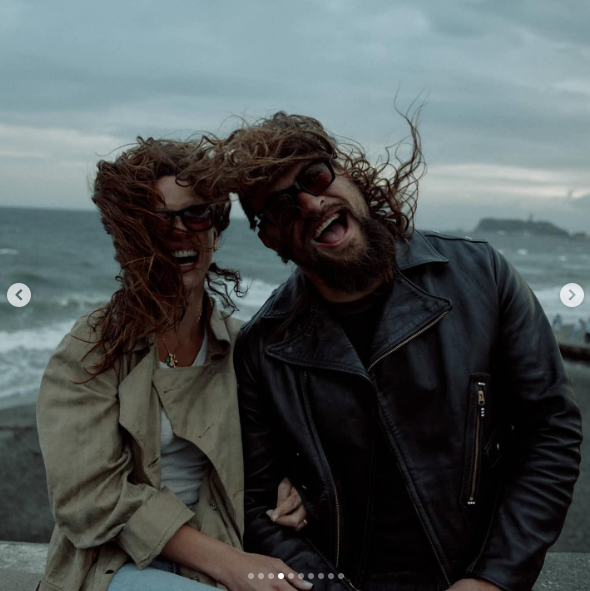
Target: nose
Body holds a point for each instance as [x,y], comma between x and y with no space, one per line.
[312,204]
[178,224]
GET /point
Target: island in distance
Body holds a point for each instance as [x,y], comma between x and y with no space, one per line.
[527,227]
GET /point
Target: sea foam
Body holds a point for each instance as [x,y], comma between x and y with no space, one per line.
[45,337]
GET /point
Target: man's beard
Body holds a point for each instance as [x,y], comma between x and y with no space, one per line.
[354,274]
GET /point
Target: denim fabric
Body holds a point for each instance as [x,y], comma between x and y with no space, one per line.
[161,575]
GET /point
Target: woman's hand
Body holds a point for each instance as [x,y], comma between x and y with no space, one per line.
[277,576]
[290,510]
[237,570]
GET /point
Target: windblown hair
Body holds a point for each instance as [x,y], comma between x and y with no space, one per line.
[254,153]
[151,297]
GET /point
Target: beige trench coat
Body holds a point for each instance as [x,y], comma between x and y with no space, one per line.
[101,447]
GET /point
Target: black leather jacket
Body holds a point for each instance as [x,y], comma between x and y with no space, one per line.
[473,399]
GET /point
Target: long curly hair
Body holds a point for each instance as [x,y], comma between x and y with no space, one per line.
[151,297]
[254,153]
[250,157]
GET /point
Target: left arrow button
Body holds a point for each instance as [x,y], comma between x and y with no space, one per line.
[18,295]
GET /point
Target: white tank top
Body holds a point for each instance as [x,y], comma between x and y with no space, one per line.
[182,464]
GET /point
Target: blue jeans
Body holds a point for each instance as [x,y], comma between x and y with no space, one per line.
[161,575]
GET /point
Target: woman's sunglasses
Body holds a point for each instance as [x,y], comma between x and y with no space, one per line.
[281,207]
[196,218]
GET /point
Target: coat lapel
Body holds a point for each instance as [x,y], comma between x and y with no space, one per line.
[201,403]
[140,413]
[409,311]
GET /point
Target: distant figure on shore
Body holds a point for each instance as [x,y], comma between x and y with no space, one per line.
[557,323]
[578,329]
[587,332]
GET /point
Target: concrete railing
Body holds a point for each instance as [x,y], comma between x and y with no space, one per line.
[21,566]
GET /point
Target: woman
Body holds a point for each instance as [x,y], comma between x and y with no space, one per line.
[137,412]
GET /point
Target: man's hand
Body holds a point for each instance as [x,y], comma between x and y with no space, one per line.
[473,585]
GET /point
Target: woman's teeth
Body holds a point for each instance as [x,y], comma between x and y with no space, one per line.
[185,253]
[185,257]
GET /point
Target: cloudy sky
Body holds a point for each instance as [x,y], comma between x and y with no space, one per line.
[506,86]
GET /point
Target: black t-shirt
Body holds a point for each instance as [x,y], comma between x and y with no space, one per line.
[397,541]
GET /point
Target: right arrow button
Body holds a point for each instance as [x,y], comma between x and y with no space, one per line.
[571,295]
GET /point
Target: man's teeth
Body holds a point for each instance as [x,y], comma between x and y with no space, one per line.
[325,225]
[185,253]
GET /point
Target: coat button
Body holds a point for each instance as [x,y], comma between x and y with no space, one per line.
[497,447]
[213,506]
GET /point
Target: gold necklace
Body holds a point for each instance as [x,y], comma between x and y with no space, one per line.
[171,359]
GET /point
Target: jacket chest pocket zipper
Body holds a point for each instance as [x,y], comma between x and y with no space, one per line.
[480,413]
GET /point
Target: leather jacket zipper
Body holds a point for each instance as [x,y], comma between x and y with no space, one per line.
[370,504]
[479,418]
[333,482]
[442,568]
[410,338]
[341,576]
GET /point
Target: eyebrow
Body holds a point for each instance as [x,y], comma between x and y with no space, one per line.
[280,191]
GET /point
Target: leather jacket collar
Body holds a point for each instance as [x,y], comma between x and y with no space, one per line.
[316,340]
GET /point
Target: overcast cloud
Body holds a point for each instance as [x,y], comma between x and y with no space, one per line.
[505,126]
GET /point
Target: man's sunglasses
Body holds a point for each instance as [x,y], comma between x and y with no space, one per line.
[196,218]
[281,207]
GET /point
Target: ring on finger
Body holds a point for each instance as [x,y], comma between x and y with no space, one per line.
[303,523]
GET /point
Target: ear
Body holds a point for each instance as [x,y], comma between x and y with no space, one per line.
[266,240]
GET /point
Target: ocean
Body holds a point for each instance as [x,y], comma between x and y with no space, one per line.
[67,261]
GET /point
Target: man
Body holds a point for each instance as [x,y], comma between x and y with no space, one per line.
[408,383]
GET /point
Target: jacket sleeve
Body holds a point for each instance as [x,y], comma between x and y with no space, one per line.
[263,471]
[88,459]
[535,498]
